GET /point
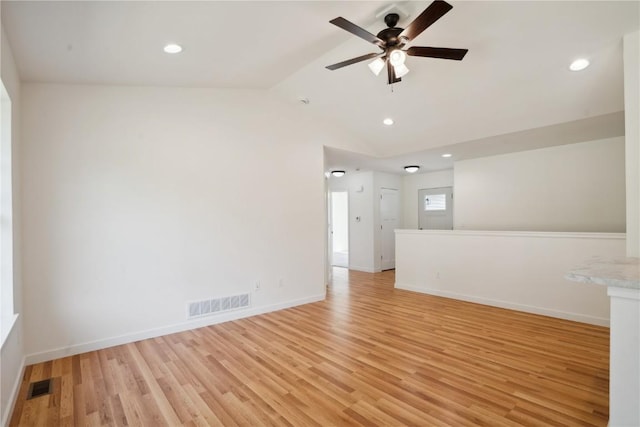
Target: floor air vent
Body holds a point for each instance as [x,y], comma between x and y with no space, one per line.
[210,307]
[40,388]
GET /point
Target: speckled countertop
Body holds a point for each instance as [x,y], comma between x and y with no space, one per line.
[618,272]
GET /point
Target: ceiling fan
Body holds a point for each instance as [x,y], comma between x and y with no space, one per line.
[392,40]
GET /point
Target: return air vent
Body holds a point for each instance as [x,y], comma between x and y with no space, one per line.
[40,388]
[209,307]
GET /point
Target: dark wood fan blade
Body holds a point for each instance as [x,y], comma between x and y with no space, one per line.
[358,31]
[391,74]
[437,52]
[354,60]
[428,16]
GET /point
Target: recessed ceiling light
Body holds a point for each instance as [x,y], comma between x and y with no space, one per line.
[173,48]
[337,174]
[446,155]
[579,64]
[412,169]
[388,121]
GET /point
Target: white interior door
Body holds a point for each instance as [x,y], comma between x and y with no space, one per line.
[389,221]
[435,209]
[340,229]
[329,239]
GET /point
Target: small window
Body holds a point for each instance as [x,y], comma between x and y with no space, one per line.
[435,202]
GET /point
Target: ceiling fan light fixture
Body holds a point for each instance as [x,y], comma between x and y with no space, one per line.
[397,57]
[401,70]
[411,168]
[376,66]
[392,40]
[337,174]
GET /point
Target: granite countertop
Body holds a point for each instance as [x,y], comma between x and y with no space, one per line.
[617,272]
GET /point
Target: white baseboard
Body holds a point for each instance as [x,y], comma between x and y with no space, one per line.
[6,418]
[165,330]
[365,269]
[577,317]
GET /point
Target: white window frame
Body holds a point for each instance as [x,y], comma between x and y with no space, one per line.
[7,311]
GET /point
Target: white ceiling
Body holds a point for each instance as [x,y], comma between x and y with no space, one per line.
[513,81]
[593,128]
[227,44]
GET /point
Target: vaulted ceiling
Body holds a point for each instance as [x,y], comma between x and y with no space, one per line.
[514,80]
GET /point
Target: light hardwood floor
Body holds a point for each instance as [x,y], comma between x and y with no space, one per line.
[368,355]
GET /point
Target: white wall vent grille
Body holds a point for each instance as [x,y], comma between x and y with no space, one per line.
[210,307]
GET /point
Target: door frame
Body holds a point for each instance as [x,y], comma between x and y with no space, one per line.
[398,213]
[420,207]
[330,227]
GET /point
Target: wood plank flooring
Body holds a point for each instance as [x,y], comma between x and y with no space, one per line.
[368,355]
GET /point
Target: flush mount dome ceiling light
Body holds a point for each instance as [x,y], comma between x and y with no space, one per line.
[388,121]
[579,64]
[172,48]
[446,155]
[337,174]
[411,168]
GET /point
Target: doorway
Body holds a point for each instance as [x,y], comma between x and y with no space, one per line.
[389,221]
[435,209]
[339,229]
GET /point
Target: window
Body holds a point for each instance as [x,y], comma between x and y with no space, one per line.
[435,202]
[7,316]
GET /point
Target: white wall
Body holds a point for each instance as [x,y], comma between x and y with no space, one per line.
[624,375]
[575,187]
[415,182]
[12,353]
[632,139]
[364,214]
[361,217]
[516,270]
[137,200]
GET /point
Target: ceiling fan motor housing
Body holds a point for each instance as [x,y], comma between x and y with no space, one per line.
[390,34]
[391,19]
